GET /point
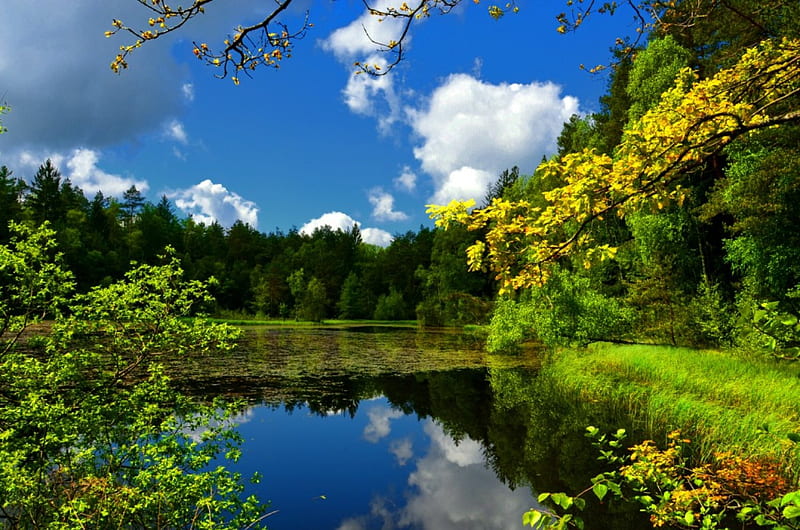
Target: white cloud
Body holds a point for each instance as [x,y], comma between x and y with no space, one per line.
[407,180]
[472,130]
[373,96]
[341,221]
[187,90]
[175,130]
[208,202]
[379,422]
[383,206]
[80,167]
[376,236]
[402,450]
[359,37]
[462,184]
[335,220]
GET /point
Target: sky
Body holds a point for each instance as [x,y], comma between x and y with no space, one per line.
[310,143]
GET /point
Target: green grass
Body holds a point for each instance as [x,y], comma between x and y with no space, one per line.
[723,402]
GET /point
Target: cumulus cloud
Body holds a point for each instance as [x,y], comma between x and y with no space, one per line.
[376,236]
[80,167]
[363,94]
[359,37]
[334,220]
[407,180]
[379,422]
[472,130]
[208,202]
[342,221]
[373,96]
[462,184]
[383,206]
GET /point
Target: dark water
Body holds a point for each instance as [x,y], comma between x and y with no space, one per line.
[385,428]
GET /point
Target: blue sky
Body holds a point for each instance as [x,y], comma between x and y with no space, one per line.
[306,144]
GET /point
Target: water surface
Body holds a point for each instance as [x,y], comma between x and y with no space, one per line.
[384,428]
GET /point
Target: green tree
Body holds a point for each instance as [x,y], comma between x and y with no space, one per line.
[93,432]
[653,72]
[577,134]
[11,190]
[313,301]
[390,306]
[44,199]
[132,203]
[352,302]
[452,294]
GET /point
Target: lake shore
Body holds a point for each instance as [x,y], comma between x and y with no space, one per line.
[722,401]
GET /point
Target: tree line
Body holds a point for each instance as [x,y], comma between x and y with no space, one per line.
[327,274]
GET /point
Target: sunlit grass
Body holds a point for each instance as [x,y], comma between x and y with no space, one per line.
[724,402]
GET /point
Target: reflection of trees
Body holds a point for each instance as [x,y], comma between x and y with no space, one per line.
[536,439]
[530,434]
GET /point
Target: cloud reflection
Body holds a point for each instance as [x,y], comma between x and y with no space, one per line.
[450,488]
[378,426]
[402,450]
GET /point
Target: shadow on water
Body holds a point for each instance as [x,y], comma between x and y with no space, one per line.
[446,385]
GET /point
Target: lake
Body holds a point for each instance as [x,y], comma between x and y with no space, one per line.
[382,428]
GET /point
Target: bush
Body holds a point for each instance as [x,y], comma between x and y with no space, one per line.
[93,432]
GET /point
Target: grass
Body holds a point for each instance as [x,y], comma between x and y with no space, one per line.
[723,402]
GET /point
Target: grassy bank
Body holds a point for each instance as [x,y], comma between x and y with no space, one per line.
[723,402]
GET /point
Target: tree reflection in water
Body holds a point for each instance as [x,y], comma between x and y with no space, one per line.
[343,444]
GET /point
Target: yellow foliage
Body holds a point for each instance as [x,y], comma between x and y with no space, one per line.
[694,120]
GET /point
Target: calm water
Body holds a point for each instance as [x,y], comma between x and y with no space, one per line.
[383,428]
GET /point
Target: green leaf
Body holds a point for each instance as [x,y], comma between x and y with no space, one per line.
[531,517]
[600,490]
[793,497]
[791,511]
[793,436]
[563,500]
[543,497]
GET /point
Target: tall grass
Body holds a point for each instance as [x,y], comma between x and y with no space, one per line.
[723,402]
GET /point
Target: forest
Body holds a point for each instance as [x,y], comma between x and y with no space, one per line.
[326,274]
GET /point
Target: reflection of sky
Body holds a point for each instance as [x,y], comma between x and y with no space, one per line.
[453,489]
[379,417]
[196,433]
[378,470]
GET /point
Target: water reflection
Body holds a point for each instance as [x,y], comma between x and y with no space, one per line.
[357,430]
[454,489]
[365,473]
